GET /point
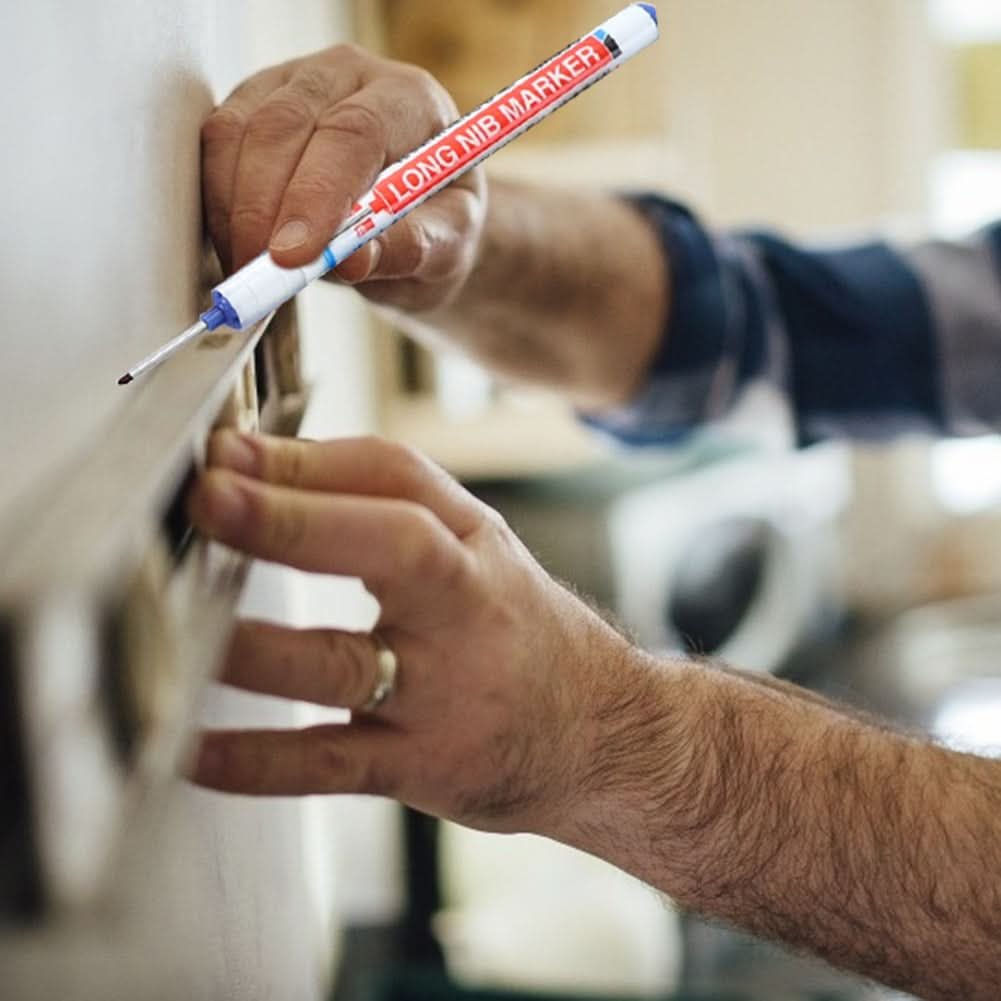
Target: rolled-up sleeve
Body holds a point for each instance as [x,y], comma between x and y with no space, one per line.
[862,341]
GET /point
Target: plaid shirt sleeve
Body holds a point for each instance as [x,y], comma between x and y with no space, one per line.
[865,341]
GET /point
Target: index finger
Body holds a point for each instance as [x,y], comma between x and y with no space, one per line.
[354,139]
[400,550]
[277,134]
[372,466]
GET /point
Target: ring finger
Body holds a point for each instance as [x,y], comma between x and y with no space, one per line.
[327,667]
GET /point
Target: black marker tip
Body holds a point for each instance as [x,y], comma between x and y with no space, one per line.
[125,379]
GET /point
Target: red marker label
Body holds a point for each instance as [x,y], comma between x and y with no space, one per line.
[492,124]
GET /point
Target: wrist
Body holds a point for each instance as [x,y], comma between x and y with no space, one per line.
[548,299]
[635,766]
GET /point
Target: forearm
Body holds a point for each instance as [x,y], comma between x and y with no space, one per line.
[763,806]
[568,291]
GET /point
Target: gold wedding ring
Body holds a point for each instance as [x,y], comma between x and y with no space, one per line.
[385,679]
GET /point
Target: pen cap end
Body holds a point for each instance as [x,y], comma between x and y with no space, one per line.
[651,10]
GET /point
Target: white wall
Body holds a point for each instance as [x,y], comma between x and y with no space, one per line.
[214,897]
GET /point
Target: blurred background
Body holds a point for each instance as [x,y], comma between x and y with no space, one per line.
[872,574]
[868,573]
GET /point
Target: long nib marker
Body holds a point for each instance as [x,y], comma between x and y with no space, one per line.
[164,352]
[262,286]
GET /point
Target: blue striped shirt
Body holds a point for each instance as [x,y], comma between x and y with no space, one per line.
[865,341]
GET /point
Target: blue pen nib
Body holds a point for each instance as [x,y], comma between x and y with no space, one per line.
[651,10]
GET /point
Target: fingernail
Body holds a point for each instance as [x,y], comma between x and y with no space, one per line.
[291,235]
[235,452]
[375,255]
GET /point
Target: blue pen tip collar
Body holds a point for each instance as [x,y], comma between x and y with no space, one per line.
[651,10]
[221,312]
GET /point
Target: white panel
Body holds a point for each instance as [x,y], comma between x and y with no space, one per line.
[215,897]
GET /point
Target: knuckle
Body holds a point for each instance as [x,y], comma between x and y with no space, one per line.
[217,222]
[409,463]
[421,78]
[426,84]
[224,125]
[422,247]
[447,109]
[327,766]
[419,81]
[278,119]
[287,527]
[330,765]
[348,669]
[312,81]
[319,186]
[446,257]
[423,550]
[254,766]
[356,121]
[494,520]
[250,208]
[406,469]
[467,211]
[386,453]
[372,444]
[377,779]
[256,516]
[286,463]
[280,527]
[251,214]
[415,248]
[345,52]
[453,574]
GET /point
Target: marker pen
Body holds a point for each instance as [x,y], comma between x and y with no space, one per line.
[262,286]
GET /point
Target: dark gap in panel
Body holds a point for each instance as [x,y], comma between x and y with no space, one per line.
[410,366]
[20,885]
[261,374]
[117,700]
[177,527]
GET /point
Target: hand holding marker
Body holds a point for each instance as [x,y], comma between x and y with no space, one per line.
[262,286]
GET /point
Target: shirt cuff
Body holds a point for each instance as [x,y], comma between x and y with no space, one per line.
[694,369]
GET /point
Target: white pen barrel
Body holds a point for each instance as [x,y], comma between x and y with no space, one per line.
[262,286]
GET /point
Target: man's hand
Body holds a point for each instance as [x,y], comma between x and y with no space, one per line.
[488,723]
[291,149]
[517,708]
[549,286]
